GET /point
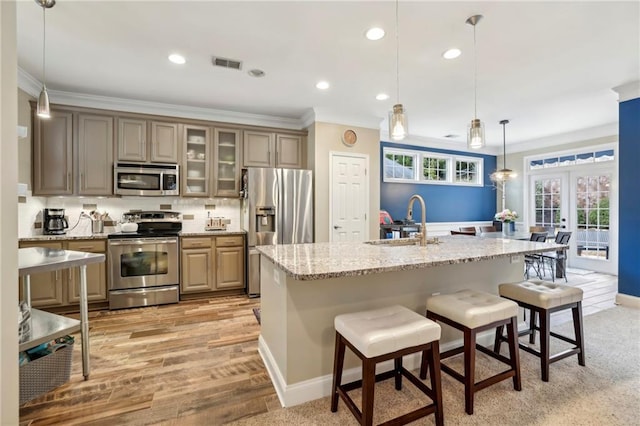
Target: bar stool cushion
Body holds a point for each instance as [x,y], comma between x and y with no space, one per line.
[540,293]
[386,330]
[472,308]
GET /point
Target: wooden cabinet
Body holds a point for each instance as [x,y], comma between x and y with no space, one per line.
[230,262]
[197,265]
[210,264]
[53,153]
[56,141]
[134,144]
[95,155]
[61,288]
[196,159]
[265,149]
[226,170]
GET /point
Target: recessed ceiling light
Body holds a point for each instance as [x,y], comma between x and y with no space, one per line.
[374,33]
[322,85]
[177,59]
[382,96]
[256,73]
[452,53]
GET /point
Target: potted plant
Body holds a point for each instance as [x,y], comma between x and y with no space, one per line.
[508,219]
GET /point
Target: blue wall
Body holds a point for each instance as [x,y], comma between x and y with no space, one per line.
[629,231]
[445,203]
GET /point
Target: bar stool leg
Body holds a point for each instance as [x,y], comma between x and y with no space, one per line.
[469,369]
[368,387]
[532,327]
[577,327]
[514,355]
[338,363]
[545,317]
[397,363]
[436,380]
[498,339]
[424,367]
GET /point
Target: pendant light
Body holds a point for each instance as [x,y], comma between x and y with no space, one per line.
[398,126]
[475,132]
[503,174]
[43,110]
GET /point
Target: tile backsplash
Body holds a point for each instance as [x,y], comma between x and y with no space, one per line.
[194,211]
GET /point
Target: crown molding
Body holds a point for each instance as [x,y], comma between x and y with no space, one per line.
[335,117]
[32,86]
[610,129]
[28,83]
[628,91]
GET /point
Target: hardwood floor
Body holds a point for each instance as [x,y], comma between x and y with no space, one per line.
[194,363]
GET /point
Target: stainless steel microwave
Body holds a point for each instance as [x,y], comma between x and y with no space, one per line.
[144,179]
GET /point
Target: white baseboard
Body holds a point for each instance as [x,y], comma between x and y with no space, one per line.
[319,387]
[628,301]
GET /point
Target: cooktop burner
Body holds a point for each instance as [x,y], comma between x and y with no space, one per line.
[151,224]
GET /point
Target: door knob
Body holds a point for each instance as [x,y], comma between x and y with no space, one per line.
[336,227]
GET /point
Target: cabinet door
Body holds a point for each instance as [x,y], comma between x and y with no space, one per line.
[196,270]
[230,267]
[257,149]
[226,171]
[95,154]
[197,157]
[164,142]
[47,289]
[96,273]
[52,154]
[132,139]
[289,151]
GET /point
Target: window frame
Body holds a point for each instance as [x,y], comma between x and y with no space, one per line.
[418,161]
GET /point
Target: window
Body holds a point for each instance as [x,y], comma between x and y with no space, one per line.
[404,165]
[571,159]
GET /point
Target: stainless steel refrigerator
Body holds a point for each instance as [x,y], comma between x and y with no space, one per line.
[277,209]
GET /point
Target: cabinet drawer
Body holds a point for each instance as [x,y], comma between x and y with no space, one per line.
[188,243]
[92,246]
[235,240]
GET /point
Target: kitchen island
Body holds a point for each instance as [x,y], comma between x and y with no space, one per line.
[304,286]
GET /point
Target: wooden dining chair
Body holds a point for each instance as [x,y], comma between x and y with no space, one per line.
[468,229]
[488,229]
[472,234]
[537,229]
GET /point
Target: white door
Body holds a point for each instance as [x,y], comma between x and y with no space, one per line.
[349,198]
[580,201]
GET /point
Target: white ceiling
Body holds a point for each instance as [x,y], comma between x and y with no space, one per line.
[549,67]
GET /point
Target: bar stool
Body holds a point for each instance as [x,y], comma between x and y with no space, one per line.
[471,312]
[543,298]
[380,335]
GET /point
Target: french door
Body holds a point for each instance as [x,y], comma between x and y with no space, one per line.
[583,201]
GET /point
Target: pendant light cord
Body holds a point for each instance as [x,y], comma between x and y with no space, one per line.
[504,147]
[44,42]
[475,74]
[397,59]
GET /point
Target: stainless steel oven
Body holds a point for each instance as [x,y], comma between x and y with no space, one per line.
[144,266]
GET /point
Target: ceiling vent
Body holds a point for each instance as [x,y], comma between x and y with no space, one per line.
[227,63]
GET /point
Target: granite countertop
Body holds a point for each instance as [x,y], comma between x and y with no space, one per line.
[331,260]
[103,236]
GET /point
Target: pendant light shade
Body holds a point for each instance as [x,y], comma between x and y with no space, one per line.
[503,174]
[475,132]
[398,125]
[43,110]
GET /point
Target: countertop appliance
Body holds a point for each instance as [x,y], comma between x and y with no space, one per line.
[54,222]
[144,265]
[145,179]
[277,209]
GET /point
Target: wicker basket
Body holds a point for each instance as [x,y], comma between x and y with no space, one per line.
[44,374]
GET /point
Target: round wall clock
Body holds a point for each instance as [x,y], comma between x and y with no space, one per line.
[349,137]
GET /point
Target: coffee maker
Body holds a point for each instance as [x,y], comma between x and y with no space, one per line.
[54,222]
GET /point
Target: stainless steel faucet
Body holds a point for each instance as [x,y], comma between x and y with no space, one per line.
[423,228]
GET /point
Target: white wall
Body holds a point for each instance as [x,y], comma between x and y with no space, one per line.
[8,215]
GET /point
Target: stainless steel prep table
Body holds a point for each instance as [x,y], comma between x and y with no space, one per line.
[44,325]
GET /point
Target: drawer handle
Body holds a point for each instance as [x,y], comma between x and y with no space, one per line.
[85,247]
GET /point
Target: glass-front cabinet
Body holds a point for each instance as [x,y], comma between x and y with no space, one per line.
[225,167]
[197,157]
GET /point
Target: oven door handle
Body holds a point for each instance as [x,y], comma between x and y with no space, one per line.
[141,242]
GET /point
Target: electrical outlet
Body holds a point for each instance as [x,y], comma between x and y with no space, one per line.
[515,259]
